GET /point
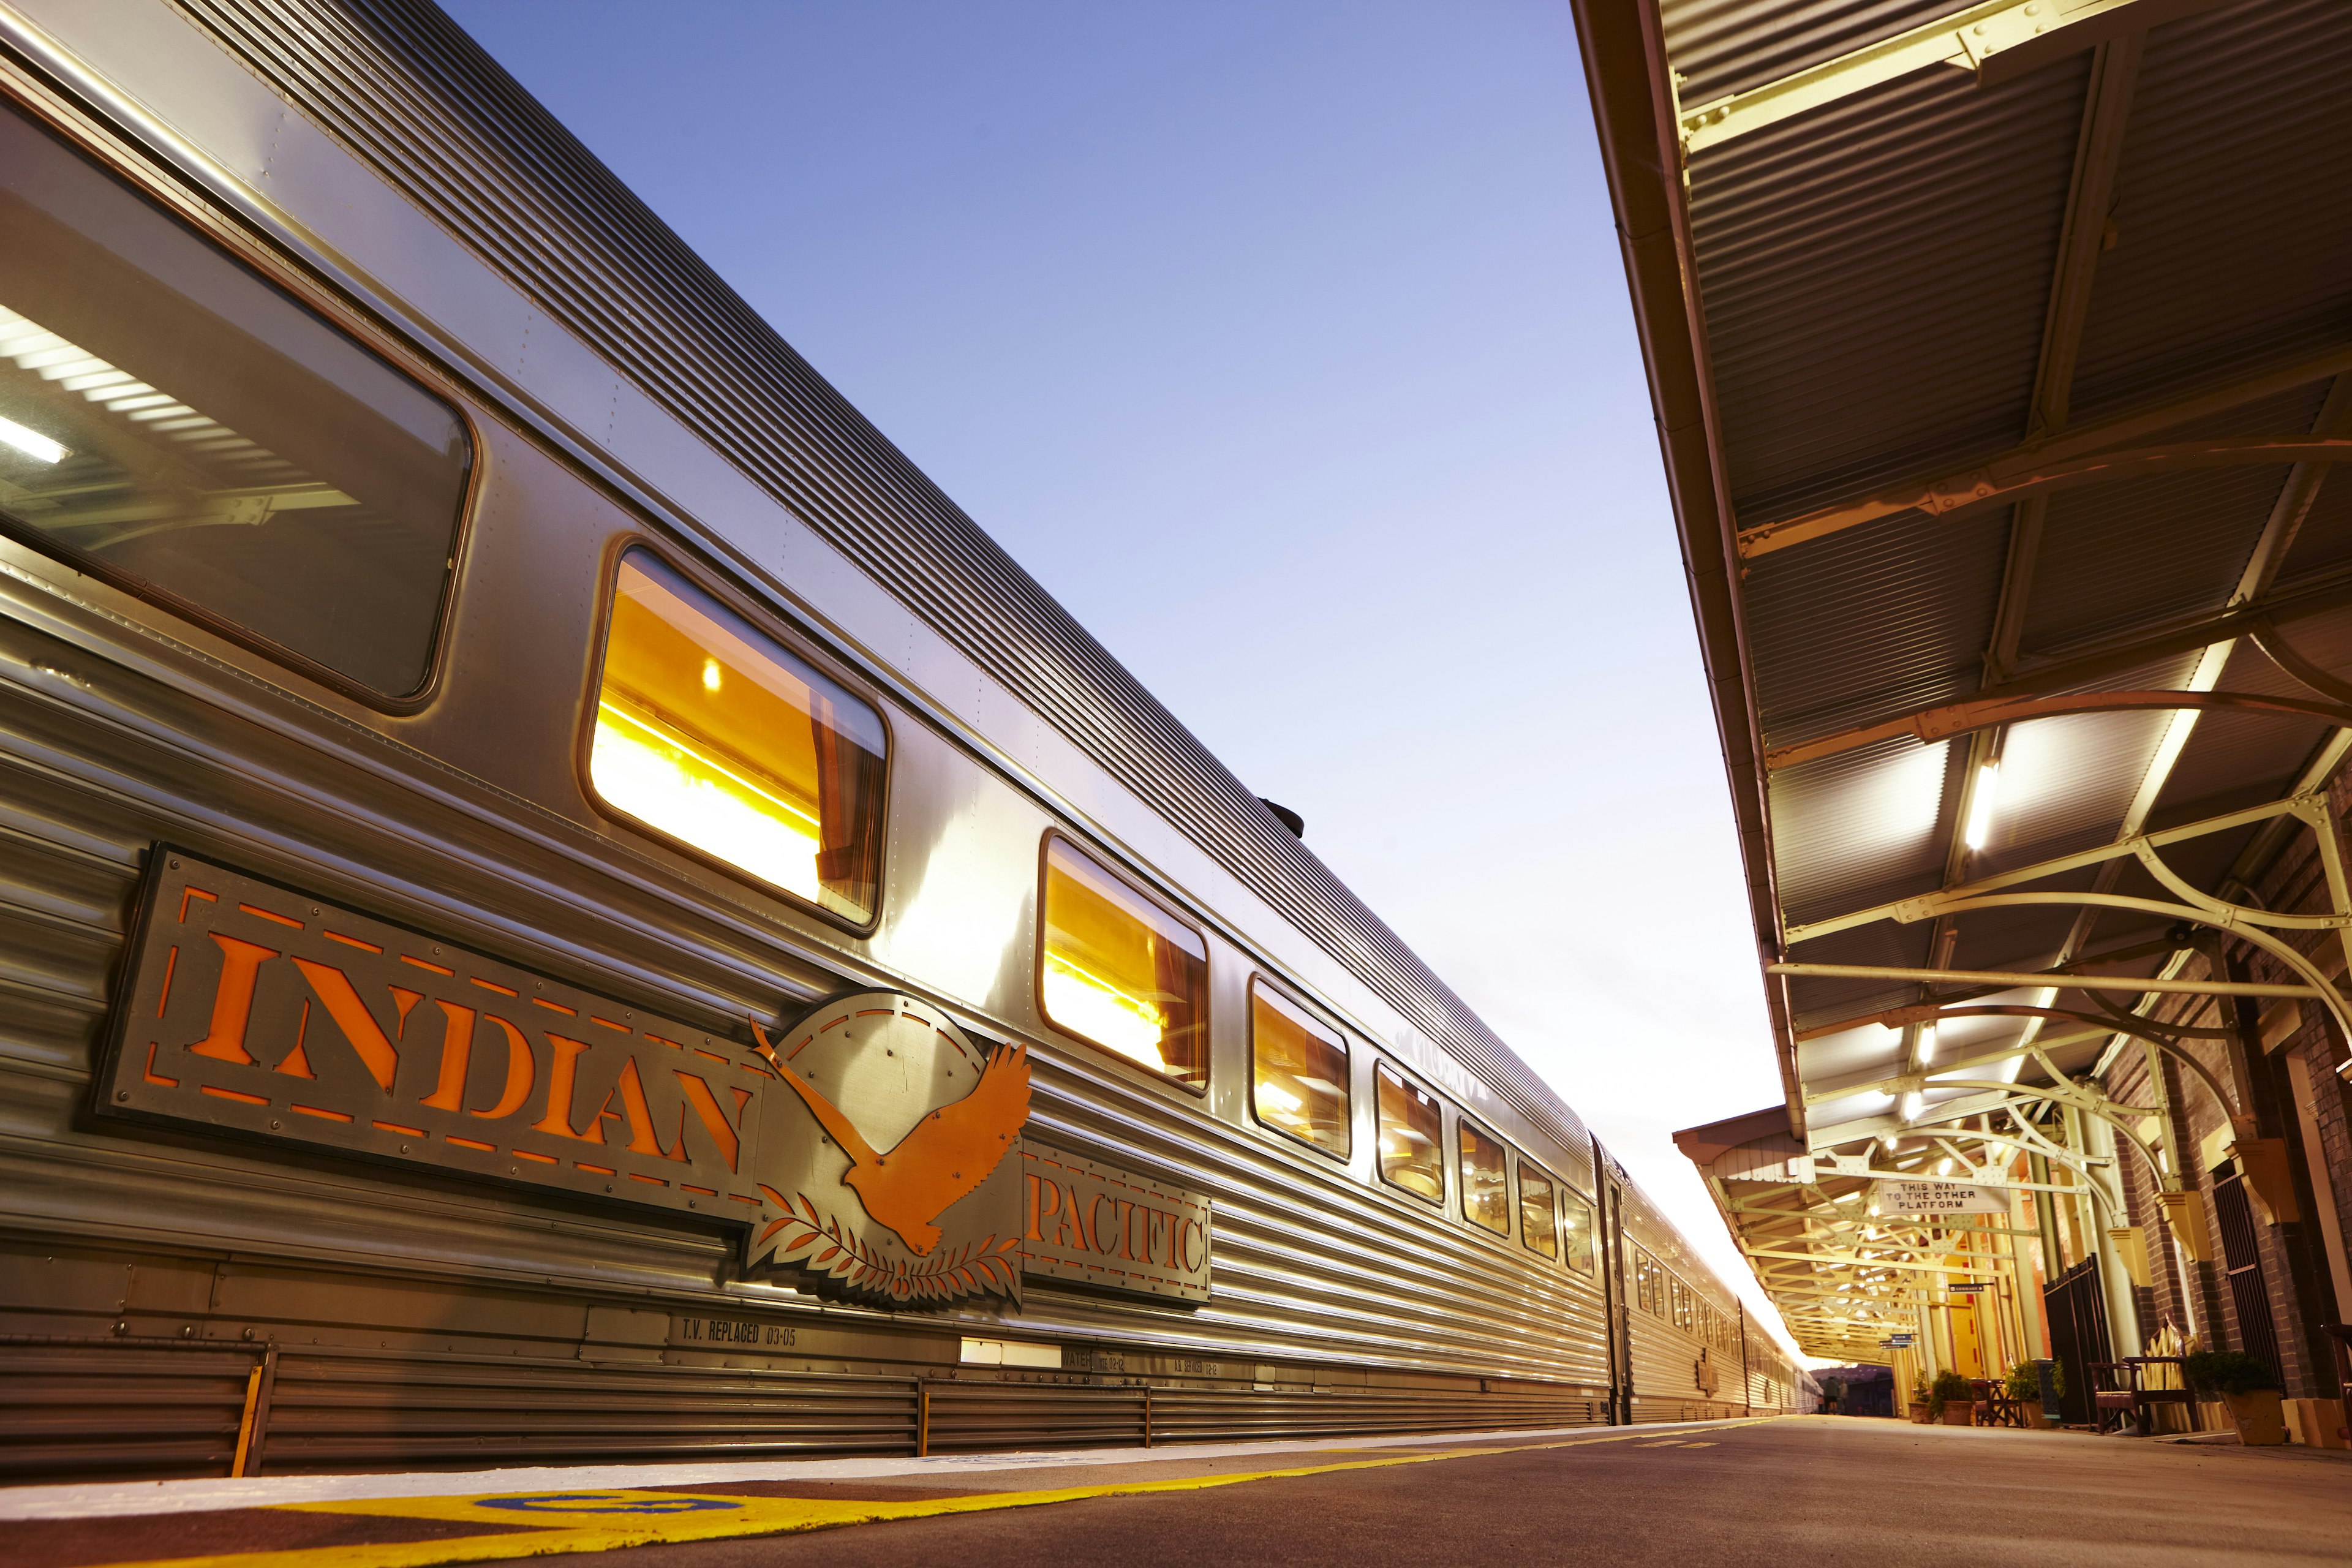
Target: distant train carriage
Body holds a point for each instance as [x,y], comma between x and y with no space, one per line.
[560,900]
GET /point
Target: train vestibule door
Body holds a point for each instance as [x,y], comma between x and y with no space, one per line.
[1620,1303]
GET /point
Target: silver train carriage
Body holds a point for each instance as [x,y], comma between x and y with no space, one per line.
[558,900]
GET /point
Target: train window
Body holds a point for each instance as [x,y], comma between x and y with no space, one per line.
[710,732]
[1485,1179]
[1117,970]
[170,422]
[1646,1282]
[1298,1073]
[1575,1232]
[1411,1132]
[1538,1228]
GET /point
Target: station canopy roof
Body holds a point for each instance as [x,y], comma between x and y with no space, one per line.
[2000,355]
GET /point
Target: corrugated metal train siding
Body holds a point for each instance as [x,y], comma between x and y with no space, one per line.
[408,94]
[226,1240]
[156,1408]
[82,1408]
[1663,1359]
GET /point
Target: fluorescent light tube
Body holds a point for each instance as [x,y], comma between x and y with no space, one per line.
[32,443]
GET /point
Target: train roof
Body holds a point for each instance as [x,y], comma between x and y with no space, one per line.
[405,89]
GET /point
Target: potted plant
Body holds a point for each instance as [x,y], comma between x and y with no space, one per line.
[2024,1386]
[2249,1387]
[1955,1402]
[1922,1409]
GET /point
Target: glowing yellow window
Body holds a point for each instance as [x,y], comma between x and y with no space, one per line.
[1121,972]
[1298,1073]
[1411,1154]
[709,732]
[1538,1227]
[1486,1181]
[1575,1232]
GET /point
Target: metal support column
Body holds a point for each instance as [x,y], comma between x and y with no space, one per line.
[2098,1138]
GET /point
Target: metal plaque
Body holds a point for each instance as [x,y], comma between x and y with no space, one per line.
[731,1331]
[871,1151]
[1089,1224]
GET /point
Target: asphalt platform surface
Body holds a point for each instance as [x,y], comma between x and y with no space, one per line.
[1811,1490]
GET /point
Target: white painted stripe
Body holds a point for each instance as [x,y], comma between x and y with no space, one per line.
[114,1500]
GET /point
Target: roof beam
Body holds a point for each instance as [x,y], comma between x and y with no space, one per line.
[2013,480]
[2046,978]
[2294,504]
[2188,636]
[1889,1296]
[1932,724]
[2049,458]
[1934,1007]
[1889,1126]
[2098,153]
[2303,806]
[1996,41]
[1855,1261]
[1873,1080]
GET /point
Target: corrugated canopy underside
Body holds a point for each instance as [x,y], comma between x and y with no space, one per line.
[1877,276]
[1921,292]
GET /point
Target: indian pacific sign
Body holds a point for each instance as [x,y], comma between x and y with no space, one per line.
[872,1145]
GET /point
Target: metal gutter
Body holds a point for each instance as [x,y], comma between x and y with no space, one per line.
[1633,112]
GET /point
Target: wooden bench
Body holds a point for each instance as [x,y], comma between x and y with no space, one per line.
[1994,1407]
[2120,1387]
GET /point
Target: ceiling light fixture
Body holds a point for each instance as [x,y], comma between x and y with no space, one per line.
[1980,830]
[1927,1042]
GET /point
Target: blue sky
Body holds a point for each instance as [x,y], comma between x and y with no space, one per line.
[1288,346]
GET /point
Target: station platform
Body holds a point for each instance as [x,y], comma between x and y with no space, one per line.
[1824,1490]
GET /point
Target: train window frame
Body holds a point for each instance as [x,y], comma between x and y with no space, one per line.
[764,618]
[280,273]
[1469,1125]
[1197,1087]
[1259,980]
[1551,1204]
[1380,1168]
[1590,1267]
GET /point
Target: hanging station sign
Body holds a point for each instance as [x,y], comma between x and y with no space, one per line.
[1937,1197]
[873,1147]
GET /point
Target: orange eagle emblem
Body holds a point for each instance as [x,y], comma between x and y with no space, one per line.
[948,1154]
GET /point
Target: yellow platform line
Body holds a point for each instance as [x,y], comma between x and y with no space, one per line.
[604,1520]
